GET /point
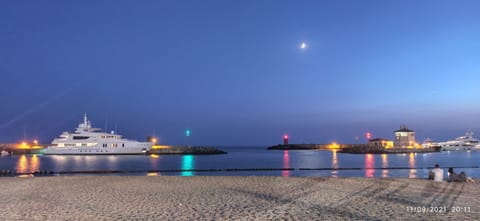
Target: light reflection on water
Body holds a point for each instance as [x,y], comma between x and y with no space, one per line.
[153,174]
[411,163]
[369,165]
[28,164]
[384,165]
[154,158]
[286,164]
[187,164]
[334,163]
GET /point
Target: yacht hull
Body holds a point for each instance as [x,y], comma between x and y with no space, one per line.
[95,151]
[460,148]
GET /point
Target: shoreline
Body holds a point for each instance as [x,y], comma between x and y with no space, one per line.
[234,198]
[211,171]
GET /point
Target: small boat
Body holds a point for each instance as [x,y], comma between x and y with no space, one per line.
[4,153]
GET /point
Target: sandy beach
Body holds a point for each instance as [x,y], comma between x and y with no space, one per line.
[235,198]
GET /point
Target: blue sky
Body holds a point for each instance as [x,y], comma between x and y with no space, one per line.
[233,72]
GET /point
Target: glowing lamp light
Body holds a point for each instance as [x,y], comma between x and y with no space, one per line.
[285,136]
[23,145]
[368,135]
[187,132]
[156,146]
[334,145]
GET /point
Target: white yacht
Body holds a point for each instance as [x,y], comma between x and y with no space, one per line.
[467,142]
[88,140]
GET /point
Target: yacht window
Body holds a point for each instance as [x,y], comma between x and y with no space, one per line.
[80,137]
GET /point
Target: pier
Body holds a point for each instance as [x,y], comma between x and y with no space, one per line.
[331,146]
[22,148]
[196,150]
[353,148]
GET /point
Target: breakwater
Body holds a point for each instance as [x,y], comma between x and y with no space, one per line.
[311,146]
[353,148]
[19,149]
[195,150]
[366,149]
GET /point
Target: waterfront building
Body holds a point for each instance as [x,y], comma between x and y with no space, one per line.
[380,142]
[405,138]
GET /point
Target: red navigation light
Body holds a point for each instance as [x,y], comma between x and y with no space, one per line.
[368,135]
[285,139]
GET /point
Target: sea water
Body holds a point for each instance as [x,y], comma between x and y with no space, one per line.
[249,161]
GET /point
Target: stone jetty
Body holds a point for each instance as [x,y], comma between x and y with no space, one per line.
[196,150]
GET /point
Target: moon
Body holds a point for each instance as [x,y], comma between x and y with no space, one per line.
[303,45]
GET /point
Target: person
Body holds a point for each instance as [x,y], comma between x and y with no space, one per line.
[454,177]
[431,175]
[470,180]
[466,178]
[437,173]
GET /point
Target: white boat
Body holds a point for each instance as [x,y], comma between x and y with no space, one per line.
[88,140]
[4,153]
[429,143]
[467,142]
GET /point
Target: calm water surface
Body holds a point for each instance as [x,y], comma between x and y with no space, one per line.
[251,161]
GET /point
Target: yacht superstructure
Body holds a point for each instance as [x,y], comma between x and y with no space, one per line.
[88,140]
[467,142]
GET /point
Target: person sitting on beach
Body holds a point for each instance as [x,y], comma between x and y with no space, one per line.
[454,177]
[431,175]
[437,173]
[466,178]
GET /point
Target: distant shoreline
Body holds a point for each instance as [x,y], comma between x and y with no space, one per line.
[353,148]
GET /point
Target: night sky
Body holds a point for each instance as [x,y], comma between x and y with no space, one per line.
[234,72]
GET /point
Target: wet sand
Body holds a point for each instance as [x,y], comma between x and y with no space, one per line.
[235,198]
